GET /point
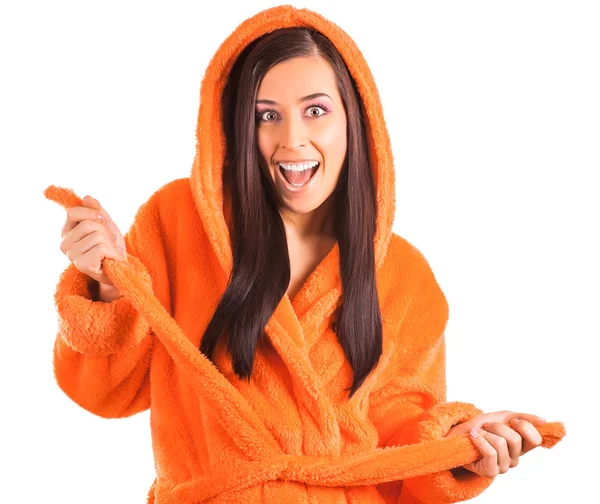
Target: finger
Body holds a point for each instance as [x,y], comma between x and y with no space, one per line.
[77,214]
[513,440]
[123,253]
[107,219]
[88,227]
[99,236]
[81,230]
[113,229]
[488,465]
[530,435]
[500,445]
[94,261]
[86,235]
[533,419]
[90,202]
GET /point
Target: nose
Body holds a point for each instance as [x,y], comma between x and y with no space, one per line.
[293,133]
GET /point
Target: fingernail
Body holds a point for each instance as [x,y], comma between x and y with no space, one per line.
[487,425]
[100,217]
[514,421]
[474,432]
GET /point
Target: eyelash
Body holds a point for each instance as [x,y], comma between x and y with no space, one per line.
[260,114]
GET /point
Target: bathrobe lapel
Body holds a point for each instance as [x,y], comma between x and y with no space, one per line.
[295,328]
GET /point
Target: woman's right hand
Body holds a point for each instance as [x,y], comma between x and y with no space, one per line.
[87,239]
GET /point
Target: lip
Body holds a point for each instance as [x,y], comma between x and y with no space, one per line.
[291,188]
[295,161]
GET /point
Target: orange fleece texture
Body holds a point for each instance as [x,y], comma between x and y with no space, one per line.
[290,435]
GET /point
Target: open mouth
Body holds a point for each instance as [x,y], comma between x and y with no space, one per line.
[298,178]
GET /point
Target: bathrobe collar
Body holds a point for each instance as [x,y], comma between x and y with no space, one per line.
[291,321]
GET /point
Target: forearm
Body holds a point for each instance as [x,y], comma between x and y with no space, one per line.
[102,350]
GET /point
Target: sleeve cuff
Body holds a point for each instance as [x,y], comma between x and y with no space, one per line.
[442,486]
[95,327]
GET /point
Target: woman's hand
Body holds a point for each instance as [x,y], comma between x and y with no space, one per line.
[89,235]
[502,442]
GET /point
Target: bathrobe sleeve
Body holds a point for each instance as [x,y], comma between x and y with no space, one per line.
[101,354]
[411,406]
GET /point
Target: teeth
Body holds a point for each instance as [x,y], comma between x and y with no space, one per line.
[299,167]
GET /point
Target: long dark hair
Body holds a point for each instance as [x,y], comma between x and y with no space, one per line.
[261,266]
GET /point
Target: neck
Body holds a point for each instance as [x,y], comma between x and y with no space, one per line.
[315,224]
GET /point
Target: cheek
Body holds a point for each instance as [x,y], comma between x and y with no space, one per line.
[332,139]
[264,146]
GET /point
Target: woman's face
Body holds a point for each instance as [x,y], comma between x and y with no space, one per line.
[296,128]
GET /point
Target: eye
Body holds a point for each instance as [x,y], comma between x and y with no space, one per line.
[317,107]
[260,116]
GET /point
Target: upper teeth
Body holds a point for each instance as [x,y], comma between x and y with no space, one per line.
[299,167]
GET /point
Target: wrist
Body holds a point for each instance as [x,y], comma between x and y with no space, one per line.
[108,293]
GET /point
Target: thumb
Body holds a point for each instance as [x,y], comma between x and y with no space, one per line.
[123,254]
[458,430]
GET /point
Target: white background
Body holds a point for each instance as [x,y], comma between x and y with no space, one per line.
[493,110]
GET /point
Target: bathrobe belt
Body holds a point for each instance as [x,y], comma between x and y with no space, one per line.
[380,465]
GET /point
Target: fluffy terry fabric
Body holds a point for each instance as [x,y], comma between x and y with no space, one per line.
[290,435]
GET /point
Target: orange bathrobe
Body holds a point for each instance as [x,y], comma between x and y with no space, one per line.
[290,435]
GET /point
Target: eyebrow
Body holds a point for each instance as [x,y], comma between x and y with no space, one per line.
[303,99]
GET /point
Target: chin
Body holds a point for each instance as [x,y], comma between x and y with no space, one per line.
[302,208]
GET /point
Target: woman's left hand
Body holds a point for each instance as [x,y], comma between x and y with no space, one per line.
[502,442]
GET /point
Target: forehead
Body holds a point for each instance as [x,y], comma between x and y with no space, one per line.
[292,79]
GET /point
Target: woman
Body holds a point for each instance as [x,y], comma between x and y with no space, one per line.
[308,335]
